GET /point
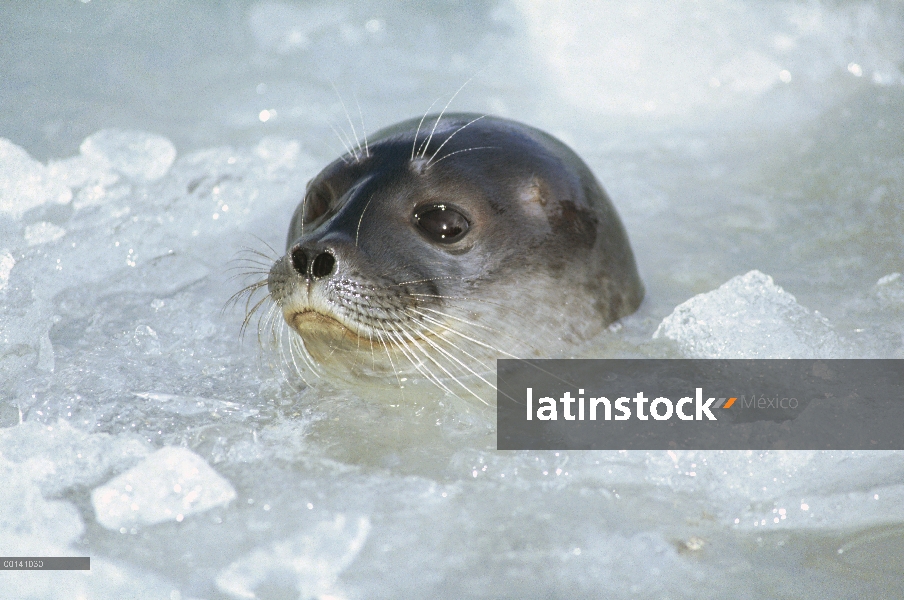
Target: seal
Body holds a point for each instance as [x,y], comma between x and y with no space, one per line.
[447,242]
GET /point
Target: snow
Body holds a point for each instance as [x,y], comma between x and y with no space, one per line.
[752,149]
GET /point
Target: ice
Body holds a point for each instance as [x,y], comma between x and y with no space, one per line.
[307,564]
[40,464]
[43,233]
[7,262]
[25,183]
[890,290]
[135,154]
[59,457]
[615,70]
[749,317]
[733,137]
[169,485]
[26,517]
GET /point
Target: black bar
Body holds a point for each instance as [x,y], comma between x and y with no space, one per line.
[45,563]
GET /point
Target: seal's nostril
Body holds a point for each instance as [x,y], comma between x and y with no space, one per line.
[323,265]
[299,261]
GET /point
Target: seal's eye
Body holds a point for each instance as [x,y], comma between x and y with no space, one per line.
[316,203]
[442,223]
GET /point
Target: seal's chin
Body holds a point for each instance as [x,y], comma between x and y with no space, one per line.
[341,353]
[317,329]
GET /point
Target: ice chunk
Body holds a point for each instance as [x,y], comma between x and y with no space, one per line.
[135,154]
[25,322]
[42,233]
[7,262]
[60,457]
[168,485]
[749,317]
[79,171]
[25,183]
[24,511]
[309,562]
[889,289]
[195,405]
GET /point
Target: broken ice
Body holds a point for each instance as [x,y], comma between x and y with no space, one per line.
[309,563]
[749,317]
[168,485]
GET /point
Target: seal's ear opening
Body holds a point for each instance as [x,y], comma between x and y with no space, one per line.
[534,195]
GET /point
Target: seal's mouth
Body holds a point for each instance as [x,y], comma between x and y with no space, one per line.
[314,321]
[317,328]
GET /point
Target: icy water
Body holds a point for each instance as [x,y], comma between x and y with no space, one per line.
[755,152]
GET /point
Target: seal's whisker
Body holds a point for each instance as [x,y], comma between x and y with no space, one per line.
[357,144]
[286,363]
[256,253]
[469,338]
[429,279]
[506,307]
[333,148]
[424,368]
[244,275]
[287,346]
[240,263]
[466,368]
[251,293]
[360,219]
[245,271]
[389,356]
[248,290]
[414,142]
[449,375]
[363,128]
[276,254]
[441,113]
[373,355]
[449,137]
[348,148]
[265,321]
[250,314]
[429,165]
[493,330]
[417,363]
[297,346]
[262,321]
[304,204]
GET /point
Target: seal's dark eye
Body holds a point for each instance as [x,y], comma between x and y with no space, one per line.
[442,223]
[316,203]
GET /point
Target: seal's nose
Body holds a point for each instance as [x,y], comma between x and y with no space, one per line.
[322,265]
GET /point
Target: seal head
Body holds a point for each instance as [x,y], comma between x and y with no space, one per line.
[444,246]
